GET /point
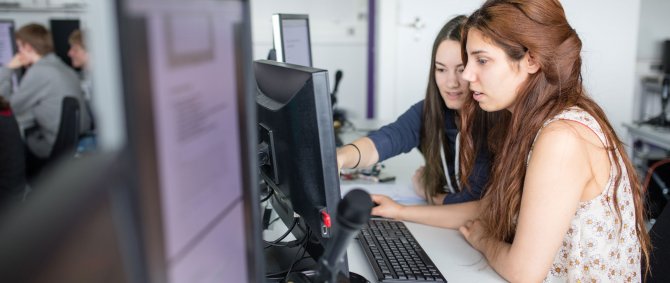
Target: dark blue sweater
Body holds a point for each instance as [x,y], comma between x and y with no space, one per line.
[404,134]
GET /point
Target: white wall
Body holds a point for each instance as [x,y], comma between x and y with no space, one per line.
[22,17]
[338,30]
[653,30]
[609,37]
[108,93]
[47,3]
[405,34]
[609,48]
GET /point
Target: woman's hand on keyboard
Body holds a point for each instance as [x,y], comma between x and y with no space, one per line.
[386,207]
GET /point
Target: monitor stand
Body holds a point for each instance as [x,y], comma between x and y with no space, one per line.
[278,261]
[308,277]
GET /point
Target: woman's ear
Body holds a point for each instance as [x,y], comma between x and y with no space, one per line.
[531,65]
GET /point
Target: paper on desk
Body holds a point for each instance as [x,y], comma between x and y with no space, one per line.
[401,193]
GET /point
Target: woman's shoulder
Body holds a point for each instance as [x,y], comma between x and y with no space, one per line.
[560,131]
[576,122]
[564,135]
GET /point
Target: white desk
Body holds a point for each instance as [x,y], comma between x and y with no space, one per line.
[653,135]
[453,256]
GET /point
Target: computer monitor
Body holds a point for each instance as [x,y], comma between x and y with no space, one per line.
[187,81]
[295,125]
[61,29]
[291,39]
[7,50]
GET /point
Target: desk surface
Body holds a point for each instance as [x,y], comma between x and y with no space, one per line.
[452,255]
[654,135]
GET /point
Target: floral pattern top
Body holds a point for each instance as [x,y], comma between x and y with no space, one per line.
[599,247]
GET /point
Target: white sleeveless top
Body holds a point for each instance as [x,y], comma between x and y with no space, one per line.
[594,250]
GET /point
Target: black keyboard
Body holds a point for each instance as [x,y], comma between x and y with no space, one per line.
[395,255]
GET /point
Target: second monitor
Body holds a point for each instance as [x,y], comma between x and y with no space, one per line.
[292,42]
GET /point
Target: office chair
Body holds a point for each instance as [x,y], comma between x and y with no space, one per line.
[660,253]
[12,160]
[68,130]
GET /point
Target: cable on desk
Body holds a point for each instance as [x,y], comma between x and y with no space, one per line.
[276,241]
[270,194]
[650,171]
[282,275]
[295,259]
[274,220]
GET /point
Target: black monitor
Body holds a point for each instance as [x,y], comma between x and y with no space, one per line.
[295,125]
[291,39]
[61,29]
[187,82]
[7,50]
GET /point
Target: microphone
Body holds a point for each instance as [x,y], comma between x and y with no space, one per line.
[338,78]
[353,212]
[272,54]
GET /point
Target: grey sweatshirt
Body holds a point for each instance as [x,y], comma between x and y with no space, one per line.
[38,99]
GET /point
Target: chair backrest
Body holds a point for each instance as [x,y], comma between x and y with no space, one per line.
[68,130]
[660,253]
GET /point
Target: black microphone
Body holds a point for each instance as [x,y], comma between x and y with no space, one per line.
[353,212]
[338,78]
[272,54]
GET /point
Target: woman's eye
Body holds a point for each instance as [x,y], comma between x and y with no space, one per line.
[482,61]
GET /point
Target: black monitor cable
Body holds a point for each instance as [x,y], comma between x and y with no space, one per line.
[295,259]
[650,172]
[276,242]
[281,275]
[271,192]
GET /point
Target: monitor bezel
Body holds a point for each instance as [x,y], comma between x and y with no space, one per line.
[142,139]
[278,35]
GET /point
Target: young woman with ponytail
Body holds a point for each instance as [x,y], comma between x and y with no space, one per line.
[431,125]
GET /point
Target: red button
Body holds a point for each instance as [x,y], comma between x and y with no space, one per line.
[326,218]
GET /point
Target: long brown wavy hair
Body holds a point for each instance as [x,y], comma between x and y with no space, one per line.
[540,28]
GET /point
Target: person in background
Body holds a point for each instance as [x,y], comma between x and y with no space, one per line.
[563,203]
[38,98]
[431,125]
[80,59]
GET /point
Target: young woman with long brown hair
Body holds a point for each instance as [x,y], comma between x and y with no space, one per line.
[564,202]
[430,125]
